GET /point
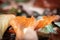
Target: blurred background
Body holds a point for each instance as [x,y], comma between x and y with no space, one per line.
[30,6]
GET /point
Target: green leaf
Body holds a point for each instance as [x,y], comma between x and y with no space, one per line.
[21,0]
